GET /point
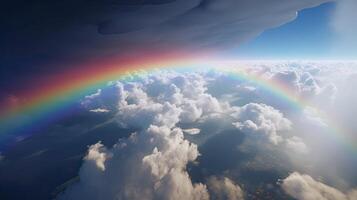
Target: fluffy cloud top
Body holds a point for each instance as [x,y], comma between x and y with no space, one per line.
[223,188]
[149,165]
[304,187]
[262,119]
[162,106]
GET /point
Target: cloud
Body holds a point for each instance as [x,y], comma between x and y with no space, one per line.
[168,97]
[223,188]
[304,187]
[97,154]
[161,98]
[149,165]
[192,131]
[104,29]
[105,98]
[296,145]
[99,110]
[170,110]
[198,23]
[262,119]
[289,79]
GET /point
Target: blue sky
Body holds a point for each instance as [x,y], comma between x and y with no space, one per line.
[310,36]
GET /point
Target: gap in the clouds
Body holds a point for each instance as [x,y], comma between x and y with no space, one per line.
[309,36]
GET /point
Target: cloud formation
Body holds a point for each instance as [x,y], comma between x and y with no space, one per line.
[149,165]
[223,188]
[261,119]
[304,187]
[169,108]
[83,30]
[199,23]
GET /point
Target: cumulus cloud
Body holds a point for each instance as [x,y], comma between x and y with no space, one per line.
[149,165]
[165,104]
[98,155]
[304,187]
[261,119]
[170,97]
[289,79]
[162,98]
[103,99]
[223,188]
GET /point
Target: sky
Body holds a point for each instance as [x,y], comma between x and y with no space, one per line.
[59,54]
[40,39]
[309,36]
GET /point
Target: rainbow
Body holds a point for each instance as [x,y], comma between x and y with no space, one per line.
[56,94]
[298,103]
[289,96]
[53,95]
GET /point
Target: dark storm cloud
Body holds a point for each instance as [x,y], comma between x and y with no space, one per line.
[38,32]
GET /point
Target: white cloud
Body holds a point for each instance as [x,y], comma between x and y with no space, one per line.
[103,99]
[289,79]
[99,110]
[190,111]
[192,131]
[137,109]
[151,164]
[261,119]
[304,187]
[223,188]
[163,95]
[296,145]
[97,154]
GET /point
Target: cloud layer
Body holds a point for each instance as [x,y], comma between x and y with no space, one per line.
[177,113]
[224,188]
